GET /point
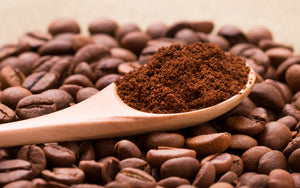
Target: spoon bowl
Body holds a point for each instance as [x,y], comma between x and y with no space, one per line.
[105,115]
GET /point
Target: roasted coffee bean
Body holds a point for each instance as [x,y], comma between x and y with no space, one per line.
[12,49]
[273,130]
[72,89]
[107,66]
[156,139]
[6,114]
[203,129]
[11,76]
[91,53]
[183,167]
[136,178]
[202,26]
[103,25]
[122,30]
[123,54]
[222,162]
[291,77]
[86,151]
[156,30]
[258,180]
[61,98]
[283,89]
[66,176]
[45,63]
[13,170]
[186,35]
[20,184]
[127,67]
[85,185]
[221,185]
[63,25]
[237,165]
[127,149]
[278,55]
[85,69]
[79,41]
[134,163]
[104,148]
[296,177]
[257,55]
[36,156]
[105,40]
[217,39]
[25,62]
[156,157]
[58,155]
[266,44]
[117,184]
[206,175]
[267,162]
[111,167]
[245,177]
[291,110]
[175,27]
[173,182]
[12,95]
[229,177]
[258,33]
[85,93]
[209,144]
[294,161]
[233,34]
[293,145]
[34,106]
[92,170]
[242,142]
[40,81]
[238,49]
[280,178]
[56,47]
[106,80]
[135,41]
[252,156]
[34,39]
[79,79]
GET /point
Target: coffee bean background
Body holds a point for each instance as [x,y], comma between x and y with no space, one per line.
[254,145]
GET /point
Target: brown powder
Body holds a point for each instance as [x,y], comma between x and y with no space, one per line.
[183,78]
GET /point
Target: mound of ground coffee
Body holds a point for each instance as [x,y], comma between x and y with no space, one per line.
[183,78]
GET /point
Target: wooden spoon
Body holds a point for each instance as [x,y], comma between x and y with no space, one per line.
[105,115]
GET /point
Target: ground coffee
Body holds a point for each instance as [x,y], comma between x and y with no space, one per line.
[183,78]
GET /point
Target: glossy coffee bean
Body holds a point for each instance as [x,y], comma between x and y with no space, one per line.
[107,66]
[122,30]
[12,95]
[127,67]
[135,41]
[293,145]
[104,148]
[134,163]
[242,142]
[233,34]
[34,106]
[6,114]
[278,55]
[237,165]
[106,80]
[105,40]
[78,79]
[186,35]
[280,178]
[252,156]
[202,26]
[258,33]
[72,89]
[270,161]
[85,93]
[103,25]
[123,54]
[66,176]
[63,25]
[229,177]
[222,162]
[11,77]
[92,170]
[61,98]
[20,184]
[79,41]
[294,160]
[173,182]
[266,44]
[58,155]
[91,53]
[291,77]
[154,140]
[127,149]
[40,81]
[206,175]
[35,39]
[221,185]
[175,27]
[111,167]
[156,30]
[258,180]
[56,47]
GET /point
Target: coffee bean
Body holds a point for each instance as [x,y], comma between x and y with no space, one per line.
[12,95]
[202,26]
[258,180]
[273,130]
[242,142]
[36,156]
[63,25]
[233,34]
[85,93]
[45,63]
[238,49]
[280,178]
[106,80]
[293,145]
[206,175]
[56,47]
[252,156]
[86,185]
[229,177]
[12,49]
[123,54]
[156,30]
[237,165]
[221,185]
[79,79]
[66,176]
[294,160]
[210,143]
[135,41]
[6,114]
[266,44]
[111,166]
[258,33]
[127,149]
[122,30]
[175,27]
[183,167]
[259,56]
[34,39]
[61,98]
[20,184]
[11,77]
[278,55]
[266,162]
[104,148]
[58,155]
[40,81]
[79,41]
[86,151]
[34,106]
[117,184]
[283,89]
[134,163]
[85,69]
[127,67]
[91,53]
[218,39]
[105,40]
[245,177]
[154,140]
[296,177]
[107,26]
[13,170]
[173,182]
[72,89]
[92,170]
[291,110]
[186,35]
[107,66]
[222,162]
[291,77]
[203,129]
[136,178]
[156,157]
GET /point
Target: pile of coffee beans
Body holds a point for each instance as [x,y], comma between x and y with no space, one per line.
[257,144]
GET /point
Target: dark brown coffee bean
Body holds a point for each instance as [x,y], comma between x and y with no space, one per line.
[245,177]
[134,163]
[6,114]
[104,148]
[72,89]
[258,33]
[86,151]
[127,67]
[107,66]
[252,156]
[20,184]
[222,162]
[13,170]
[11,77]
[175,27]
[56,47]
[278,55]
[206,175]
[85,69]
[136,178]
[63,25]
[156,157]
[209,144]
[92,170]
[242,142]
[66,176]
[111,167]
[283,88]
[202,26]
[294,160]
[36,156]
[291,110]
[229,177]
[34,39]
[40,81]
[12,49]
[91,53]
[291,77]
[221,185]
[154,140]
[280,178]
[135,41]
[266,44]
[270,161]
[45,63]
[258,180]
[289,121]
[217,39]
[293,145]
[38,182]
[34,106]
[203,129]
[233,34]
[12,95]
[186,35]
[64,36]
[79,41]
[61,98]
[183,167]
[103,25]
[123,54]
[296,177]
[282,68]
[106,80]
[117,184]
[85,185]
[127,149]
[237,165]
[259,69]
[173,182]
[58,155]
[122,30]
[105,40]
[238,49]
[25,62]
[156,30]
[79,79]
[273,130]
[85,93]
